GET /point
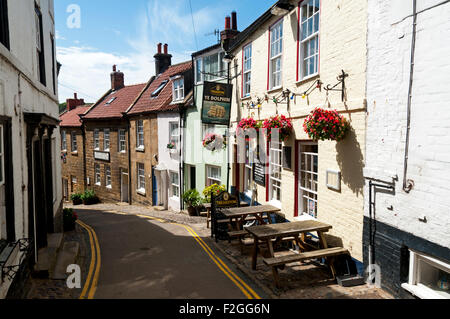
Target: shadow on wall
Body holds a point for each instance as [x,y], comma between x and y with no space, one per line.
[351,162]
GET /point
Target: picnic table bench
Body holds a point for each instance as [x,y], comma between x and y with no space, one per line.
[298,230]
[207,206]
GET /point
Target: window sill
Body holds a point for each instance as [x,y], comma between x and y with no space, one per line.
[275,203]
[141,192]
[246,98]
[109,187]
[276,89]
[74,153]
[123,152]
[422,292]
[140,149]
[97,184]
[308,79]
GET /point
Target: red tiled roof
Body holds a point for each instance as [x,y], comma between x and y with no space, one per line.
[123,100]
[163,101]
[71,118]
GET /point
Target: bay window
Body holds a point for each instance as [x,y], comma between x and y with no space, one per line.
[210,67]
[276,54]
[247,70]
[309,38]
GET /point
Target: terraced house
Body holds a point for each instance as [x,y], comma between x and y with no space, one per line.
[107,141]
[300,55]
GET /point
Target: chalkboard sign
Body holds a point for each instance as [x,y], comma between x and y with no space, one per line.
[259,174]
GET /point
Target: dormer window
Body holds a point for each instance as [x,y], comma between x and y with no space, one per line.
[160,88]
[178,90]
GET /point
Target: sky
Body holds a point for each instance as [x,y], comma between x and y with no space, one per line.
[126,33]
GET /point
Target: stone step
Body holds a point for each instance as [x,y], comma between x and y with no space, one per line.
[67,256]
[47,256]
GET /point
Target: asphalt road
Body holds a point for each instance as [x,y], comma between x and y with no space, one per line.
[147,259]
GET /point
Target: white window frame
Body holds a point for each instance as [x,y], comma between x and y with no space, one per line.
[97,139]
[97,175]
[175,138]
[175,184]
[248,171]
[305,59]
[122,141]
[247,70]
[73,142]
[2,157]
[178,89]
[276,39]
[211,178]
[141,185]
[108,181]
[413,285]
[64,140]
[106,139]
[201,68]
[275,148]
[304,192]
[140,137]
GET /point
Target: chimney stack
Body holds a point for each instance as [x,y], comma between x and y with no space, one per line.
[227,23]
[73,103]
[234,21]
[117,79]
[159,48]
[162,60]
[230,31]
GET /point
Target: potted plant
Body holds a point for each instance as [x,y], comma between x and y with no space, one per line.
[280,122]
[76,198]
[69,219]
[326,125]
[214,189]
[89,197]
[214,142]
[193,200]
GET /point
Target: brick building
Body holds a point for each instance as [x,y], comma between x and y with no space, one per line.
[107,141]
[156,109]
[72,147]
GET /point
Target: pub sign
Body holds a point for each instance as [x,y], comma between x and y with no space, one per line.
[216,103]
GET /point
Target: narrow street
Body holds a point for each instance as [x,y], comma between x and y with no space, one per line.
[147,258]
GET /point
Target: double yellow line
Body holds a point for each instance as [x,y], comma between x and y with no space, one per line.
[94,267]
[246,290]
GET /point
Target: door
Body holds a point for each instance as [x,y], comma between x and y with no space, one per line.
[124,190]
[154,188]
[192,179]
[308,176]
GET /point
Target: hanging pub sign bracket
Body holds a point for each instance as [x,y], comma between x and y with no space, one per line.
[341,81]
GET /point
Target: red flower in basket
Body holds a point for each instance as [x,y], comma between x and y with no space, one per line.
[213,142]
[326,125]
[245,125]
[280,122]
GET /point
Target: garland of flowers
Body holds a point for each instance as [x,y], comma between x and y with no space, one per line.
[326,125]
[280,122]
[214,141]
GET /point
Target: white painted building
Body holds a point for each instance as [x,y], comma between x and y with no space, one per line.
[30,140]
[411,239]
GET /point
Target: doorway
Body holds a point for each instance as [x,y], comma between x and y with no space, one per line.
[192,183]
[124,189]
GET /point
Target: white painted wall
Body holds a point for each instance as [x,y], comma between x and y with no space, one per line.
[18,73]
[389,52]
[170,160]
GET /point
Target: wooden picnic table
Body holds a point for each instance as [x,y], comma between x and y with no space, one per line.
[241,213]
[208,211]
[297,231]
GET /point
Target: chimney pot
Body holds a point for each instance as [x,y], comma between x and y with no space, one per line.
[114,68]
[159,48]
[166,48]
[75,96]
[234,20]
[227,23]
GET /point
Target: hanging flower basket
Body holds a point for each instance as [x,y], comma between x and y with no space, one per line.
[214,142]
[171,146]
[326,125]
[280,122]
[247,124]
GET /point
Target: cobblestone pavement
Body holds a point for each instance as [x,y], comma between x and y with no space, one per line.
[300,280]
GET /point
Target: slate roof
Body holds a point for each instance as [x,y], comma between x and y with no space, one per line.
[163,101]
[114,103]
[72,118]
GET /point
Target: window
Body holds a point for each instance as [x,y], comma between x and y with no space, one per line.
[160,88]
[74,142]
[4,23]
[178,90]
[308,179]
[428,277]
[63,141]
[248,171]
[247,70]
[213,176]
[106,142]
[97,139]
[40,56]
[73,183]
[309,38]
[2,158]
[276,53]
[174,133]
[140,134]
[141,178]
[110,101]
[108,176]
[98,181]
[210,68]
[174,178]
[275,166]
[52,41]
[122,141]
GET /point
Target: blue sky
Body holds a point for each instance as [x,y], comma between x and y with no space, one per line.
[126,33]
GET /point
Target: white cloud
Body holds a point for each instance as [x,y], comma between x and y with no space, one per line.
[86,69]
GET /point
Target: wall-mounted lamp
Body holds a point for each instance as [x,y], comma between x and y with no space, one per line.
[282,8]
[228,58]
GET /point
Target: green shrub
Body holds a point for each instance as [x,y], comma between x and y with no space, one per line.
[213,189]
[89,197]
[76,196]
[192,198]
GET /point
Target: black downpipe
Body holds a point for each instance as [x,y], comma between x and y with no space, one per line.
[130,201]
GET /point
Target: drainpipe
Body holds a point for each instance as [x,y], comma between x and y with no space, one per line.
[83,134]
[130,201]
[181,157]
[407,183]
